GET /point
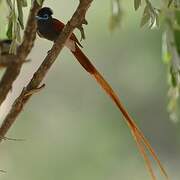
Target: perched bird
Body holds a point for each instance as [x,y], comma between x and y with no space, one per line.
[50,28]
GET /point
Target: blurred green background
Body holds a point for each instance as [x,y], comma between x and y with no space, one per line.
[72,129]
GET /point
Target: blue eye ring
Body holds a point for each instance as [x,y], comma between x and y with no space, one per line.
[45,17]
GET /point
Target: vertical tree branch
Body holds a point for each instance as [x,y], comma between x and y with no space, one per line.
[14,68]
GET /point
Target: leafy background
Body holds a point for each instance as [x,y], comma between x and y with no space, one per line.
[72,130]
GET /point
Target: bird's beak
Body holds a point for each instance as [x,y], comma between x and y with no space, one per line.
[38,17]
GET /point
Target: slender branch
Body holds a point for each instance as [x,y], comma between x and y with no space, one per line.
[76,21]
[8,60]
[13,70]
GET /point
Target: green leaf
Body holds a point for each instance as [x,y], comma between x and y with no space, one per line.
[173,106]
[146,16]
[176,3]
[13,47]
[157,20]
[116,14]
[24,3]
[166,55]
[20,13]
[177,40]
[40,2]
[18,35]
[9,31]
[174,81]
[137,4]
[9,2]
[177,16]
[170,2]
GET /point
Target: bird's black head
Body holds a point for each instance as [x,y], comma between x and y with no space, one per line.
[44,13]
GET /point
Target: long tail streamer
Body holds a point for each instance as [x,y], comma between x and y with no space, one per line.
[141,141]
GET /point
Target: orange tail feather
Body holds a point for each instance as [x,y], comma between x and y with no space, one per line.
[139,137]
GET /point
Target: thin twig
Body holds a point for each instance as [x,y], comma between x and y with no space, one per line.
[11,139]
[33,91]
[8,60]
[76,20]
[13,70]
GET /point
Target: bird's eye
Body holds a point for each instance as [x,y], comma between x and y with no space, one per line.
[46,16]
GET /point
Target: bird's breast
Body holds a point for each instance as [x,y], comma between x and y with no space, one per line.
[46,30]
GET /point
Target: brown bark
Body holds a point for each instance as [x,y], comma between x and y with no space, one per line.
[33,86]
[14,67]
